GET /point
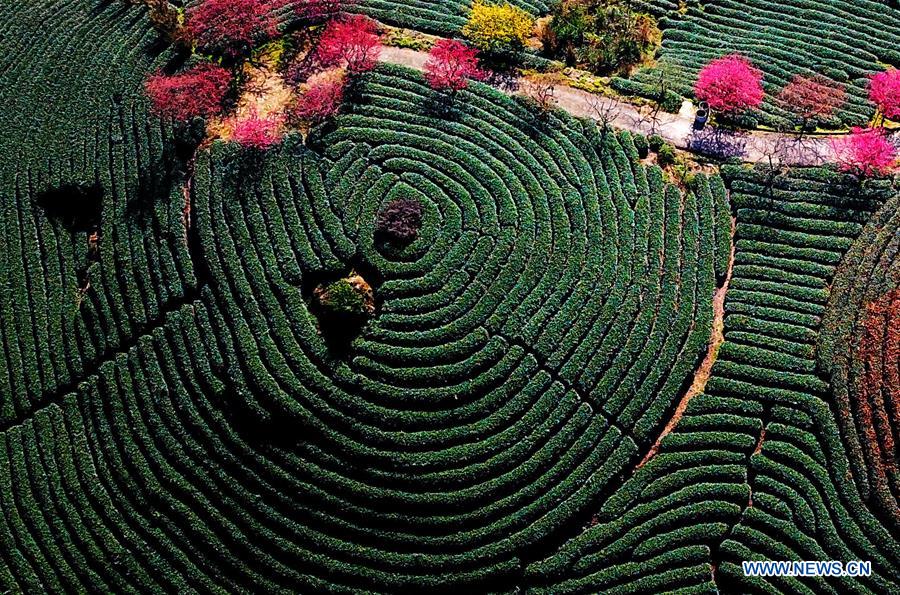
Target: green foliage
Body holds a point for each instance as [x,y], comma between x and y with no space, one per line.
[173,418]
[642,146]
[655,142]
[341,298]
[666,155]
[757,459]
[844,41]
[603,35]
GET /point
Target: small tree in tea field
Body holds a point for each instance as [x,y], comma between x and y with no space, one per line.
[320,99]
[867,152]
[232,27]
[450,65]
[812,98]
[400,220]
[197,92]
[257,132]
[498,28]
[352,42]
[884,92]
[730,85]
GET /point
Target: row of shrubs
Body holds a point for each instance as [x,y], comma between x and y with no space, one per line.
[759,456]
[857,352]
[473,420]
[473,423]
[81,159]
[844,41]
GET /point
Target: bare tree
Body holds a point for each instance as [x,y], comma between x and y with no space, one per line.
[539,93]
[605,110]
[646,120]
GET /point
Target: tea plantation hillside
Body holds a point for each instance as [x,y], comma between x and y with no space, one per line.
[758,467]
[446,17]
[845,41]
[530,403]
[81,156]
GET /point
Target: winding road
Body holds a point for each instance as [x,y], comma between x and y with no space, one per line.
[753,147]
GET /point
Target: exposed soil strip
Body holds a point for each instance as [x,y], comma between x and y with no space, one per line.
[701,376]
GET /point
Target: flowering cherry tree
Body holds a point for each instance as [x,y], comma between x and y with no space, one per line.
[199,91]
[232,27]
[450,65]
[812,97]
[884,92]
[730,85]
[352,41]
[866,152]
[257,132]
[320,100]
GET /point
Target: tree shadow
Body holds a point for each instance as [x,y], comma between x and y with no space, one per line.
[77,208]
[718,143]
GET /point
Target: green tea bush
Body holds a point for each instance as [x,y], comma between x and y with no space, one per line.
[666,155]
[761,466]
[845,41]
[642,146]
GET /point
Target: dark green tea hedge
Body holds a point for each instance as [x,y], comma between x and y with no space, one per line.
[845,41]
[518,363]
[175,416]
[757,469]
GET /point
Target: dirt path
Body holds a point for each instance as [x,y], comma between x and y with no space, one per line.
[753,147]
[701,376]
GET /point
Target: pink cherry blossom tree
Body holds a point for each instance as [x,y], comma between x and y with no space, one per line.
[867,152]
[884,92]
[450,65]
[258,132]
[730,85]
[352,42]
[197,92]
[320,100]
[232,27]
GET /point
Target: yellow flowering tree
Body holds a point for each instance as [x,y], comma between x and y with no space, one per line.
[498,27]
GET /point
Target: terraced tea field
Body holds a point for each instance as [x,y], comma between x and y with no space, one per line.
[845,41]
[445,17]
[581,376]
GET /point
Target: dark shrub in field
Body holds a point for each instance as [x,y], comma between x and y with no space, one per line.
[642,146]
[666,155]
[400,220]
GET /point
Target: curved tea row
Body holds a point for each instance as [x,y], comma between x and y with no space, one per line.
[519,361]
[82,157]
[845,41]
[755,470]
[529,346]
[860,349]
